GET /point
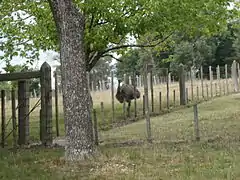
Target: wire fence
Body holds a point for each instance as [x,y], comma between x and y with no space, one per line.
[201,85]
[15,113]
[108,113]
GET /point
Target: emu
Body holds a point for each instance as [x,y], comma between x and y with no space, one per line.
[126,93]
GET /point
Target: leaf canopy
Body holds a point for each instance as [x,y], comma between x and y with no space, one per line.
[108,24]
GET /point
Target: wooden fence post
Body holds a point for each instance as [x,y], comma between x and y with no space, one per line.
[234,76]
[191,80]
[216,91]
[143,104]
[147,116]
[182,87]
[168,99]
[134,88]
[112,92]
[23,110]
[14,117]
[130,80]
[3,117]
[151,87]
[46,105]
[95,127]
[226,77]
[197,93]
[202,81]
[196,124]
[174,97]
[207,91]
[219,80]
[211,80]
[160,102]
[102,113]
[56,103]
[124,110]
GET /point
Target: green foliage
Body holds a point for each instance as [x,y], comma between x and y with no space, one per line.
[130,63]
[192,54]
[218,49]
[108,23]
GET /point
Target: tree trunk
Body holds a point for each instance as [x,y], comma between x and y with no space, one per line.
[76,98]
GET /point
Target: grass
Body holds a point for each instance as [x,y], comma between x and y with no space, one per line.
[125,154]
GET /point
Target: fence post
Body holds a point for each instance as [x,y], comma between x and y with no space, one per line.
[56,102]
[102,113]
[196,124]
[112,92]
[182,87]
[207,91]
[3,117]
[147,116]
[174,97]
[219,80]
[160,102]
[197,93]
[211,79]
[143,104]
[191,79]
[234,74]
[238,73]
[140,81]
[202,81]
[46,105]
[23,110]
[95,127]
[130,80]
[134,88]
[168,103]
[124,110]
[151,87]
[125,79]
[226,77]
[14,123]
[216,91]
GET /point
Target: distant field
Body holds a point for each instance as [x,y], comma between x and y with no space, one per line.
[125,154]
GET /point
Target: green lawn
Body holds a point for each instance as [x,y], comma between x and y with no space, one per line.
[124,154]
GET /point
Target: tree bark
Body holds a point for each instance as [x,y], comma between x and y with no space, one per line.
[70,25]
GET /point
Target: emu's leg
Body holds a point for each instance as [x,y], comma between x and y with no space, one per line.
[128,108]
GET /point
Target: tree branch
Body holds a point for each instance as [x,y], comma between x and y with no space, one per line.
[137,45]
[110,55]
[91,22]
[93,59]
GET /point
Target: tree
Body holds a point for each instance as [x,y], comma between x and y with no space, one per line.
[76,96]
[85,31]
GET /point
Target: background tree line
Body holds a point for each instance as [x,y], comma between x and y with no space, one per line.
[196,51]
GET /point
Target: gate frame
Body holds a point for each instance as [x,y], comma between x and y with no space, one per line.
[46,98]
